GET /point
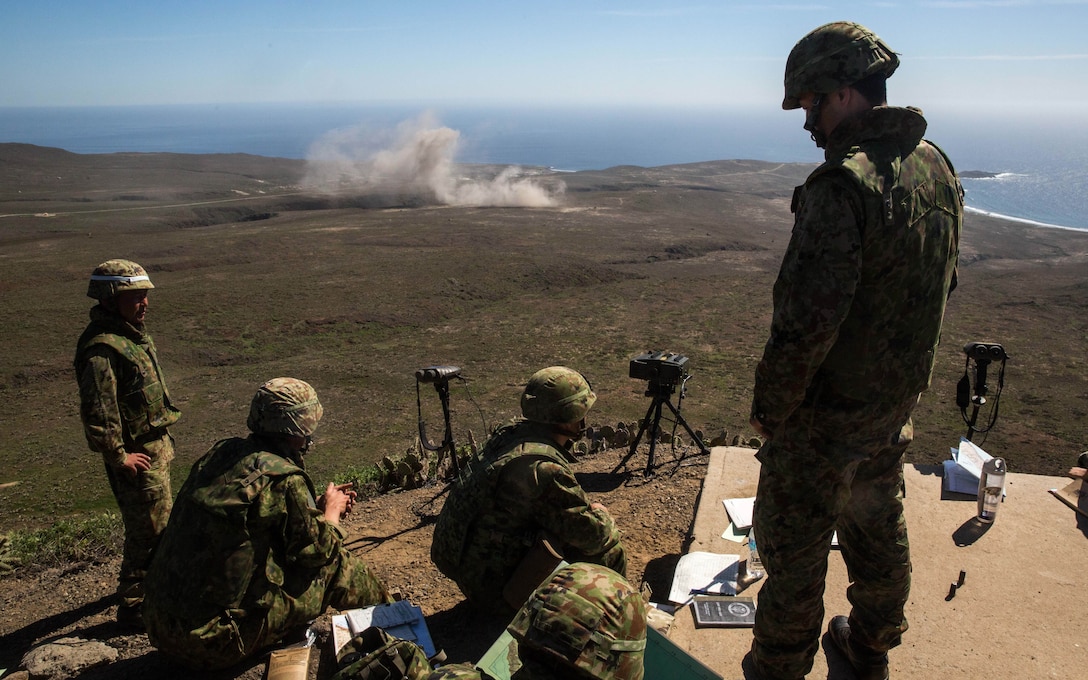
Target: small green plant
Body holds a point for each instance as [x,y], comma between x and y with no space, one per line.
[66,541]
[365,478]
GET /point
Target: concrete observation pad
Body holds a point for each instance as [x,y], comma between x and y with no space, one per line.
[1020,612]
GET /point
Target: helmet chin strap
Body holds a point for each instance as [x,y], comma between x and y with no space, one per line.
[572,433]
[812,119]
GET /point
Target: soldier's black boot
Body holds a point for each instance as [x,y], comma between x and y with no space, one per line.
[867,664]
[130,618]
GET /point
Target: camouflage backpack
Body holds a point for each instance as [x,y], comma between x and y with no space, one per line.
[473,496]
[376,655]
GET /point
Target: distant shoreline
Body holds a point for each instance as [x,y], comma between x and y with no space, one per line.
[1021,220]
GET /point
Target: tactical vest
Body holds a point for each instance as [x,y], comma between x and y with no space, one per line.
[210,527]
[143,399]
[473,497]
[912,210]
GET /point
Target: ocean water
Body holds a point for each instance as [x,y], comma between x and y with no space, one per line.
[1040,170]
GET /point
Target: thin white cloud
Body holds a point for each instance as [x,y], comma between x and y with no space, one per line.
[1008,57]
[652,13]
[981,4]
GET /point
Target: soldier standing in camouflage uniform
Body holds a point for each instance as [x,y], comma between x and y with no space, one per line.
[126,411]
[521,489]
[586,621]
[250,555]
[858,307]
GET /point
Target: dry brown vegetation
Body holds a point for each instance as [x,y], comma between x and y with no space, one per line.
[354,293]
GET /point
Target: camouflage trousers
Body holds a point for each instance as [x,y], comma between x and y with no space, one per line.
[488,567]
[810,486]
[234,635]
[145,501]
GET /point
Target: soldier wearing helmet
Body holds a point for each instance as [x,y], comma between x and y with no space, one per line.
[858,308]
[251,553]
[126,413]
[521,495]
[585,621]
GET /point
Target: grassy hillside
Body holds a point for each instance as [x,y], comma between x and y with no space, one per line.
[256,278]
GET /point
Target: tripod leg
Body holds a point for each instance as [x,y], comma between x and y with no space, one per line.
[684,423]
[655,433]
[638,438]
[443,389]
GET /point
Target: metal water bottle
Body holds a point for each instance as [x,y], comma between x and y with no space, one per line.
[991,484]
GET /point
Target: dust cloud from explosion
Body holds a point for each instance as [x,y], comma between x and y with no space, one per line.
[416,157]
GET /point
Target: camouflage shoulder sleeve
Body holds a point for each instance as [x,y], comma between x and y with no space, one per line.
[99,407]
[311,541]
[563,510]
[812,295]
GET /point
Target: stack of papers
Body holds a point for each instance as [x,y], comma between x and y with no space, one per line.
[961,474]
[740,511]
[740,518]
[400,619]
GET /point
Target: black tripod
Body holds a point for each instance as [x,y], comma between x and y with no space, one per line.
[660,391]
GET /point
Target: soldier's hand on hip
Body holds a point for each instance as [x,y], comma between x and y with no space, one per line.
[135,462]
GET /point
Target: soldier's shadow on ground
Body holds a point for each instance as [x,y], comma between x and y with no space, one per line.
[24,637]
[599,482]
[156,665]
[658,576]
[463,632]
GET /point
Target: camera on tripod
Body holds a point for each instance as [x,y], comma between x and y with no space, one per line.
[666,368]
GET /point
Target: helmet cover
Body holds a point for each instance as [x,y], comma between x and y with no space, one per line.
[588,617]
[116,276]
[557,395]
[833,55]
[285,406]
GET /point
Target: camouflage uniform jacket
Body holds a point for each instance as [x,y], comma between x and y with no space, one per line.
[123,396]
[520,488]
[245,526]
[861,292]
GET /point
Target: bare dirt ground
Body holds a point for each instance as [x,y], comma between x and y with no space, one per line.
[393,534]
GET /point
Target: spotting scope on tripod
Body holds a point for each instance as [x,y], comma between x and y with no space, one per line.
[983,354]
[440,377]
[663,373]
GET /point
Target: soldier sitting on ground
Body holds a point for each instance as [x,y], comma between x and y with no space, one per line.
[250,554]
[521,491]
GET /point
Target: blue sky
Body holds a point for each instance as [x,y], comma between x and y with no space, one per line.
[1019,55]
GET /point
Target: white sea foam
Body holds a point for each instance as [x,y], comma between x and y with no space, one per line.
[1021,220]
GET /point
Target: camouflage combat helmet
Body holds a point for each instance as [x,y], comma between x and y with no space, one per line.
[285,406]
[834,55]
[557,395]
[116,276]
[587,617]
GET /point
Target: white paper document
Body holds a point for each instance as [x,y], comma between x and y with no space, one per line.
[704,573]
[958,480]
[740,511]
[971,458]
